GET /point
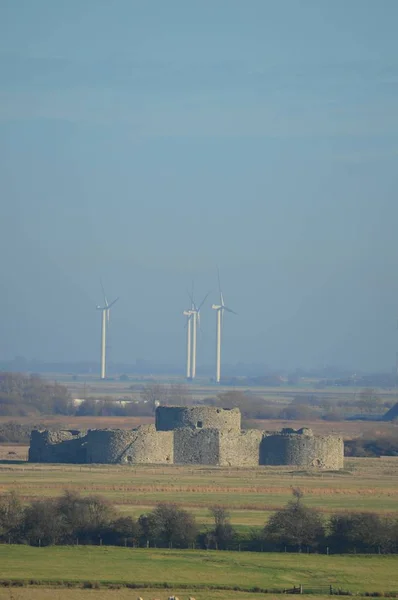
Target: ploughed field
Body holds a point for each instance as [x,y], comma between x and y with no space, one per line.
[185,568]
[366,484]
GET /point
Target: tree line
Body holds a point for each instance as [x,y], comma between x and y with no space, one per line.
[76,519]
[28,394]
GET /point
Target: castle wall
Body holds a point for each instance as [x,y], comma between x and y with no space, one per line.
[67,446]
[240,449]
[197,417]
[303,450]
[197,435]
[196,446]
[141,445]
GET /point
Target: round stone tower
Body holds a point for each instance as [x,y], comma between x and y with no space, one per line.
[169,418]
[141,445]
[303,449]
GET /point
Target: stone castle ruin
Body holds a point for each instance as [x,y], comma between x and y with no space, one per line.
[190,435]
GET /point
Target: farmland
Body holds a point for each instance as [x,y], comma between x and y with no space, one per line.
[185,568]
[250,494]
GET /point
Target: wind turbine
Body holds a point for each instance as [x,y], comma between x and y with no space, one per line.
[104,322]
[220,314]
[189,315]
[195,311]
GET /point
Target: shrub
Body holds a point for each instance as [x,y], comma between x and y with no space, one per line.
[43,525]
[295,526]
[169,525]
[86,518]
[363,532]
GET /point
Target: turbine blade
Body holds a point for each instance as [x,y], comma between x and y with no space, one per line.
[203,301]
[112,303]
[191,297]
[103,293]
[230,310]
[218,279]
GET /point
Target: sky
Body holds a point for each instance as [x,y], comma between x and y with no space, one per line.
[144,142]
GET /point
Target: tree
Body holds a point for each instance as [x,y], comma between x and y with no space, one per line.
[369,401]
[154,394]
[363,532]
[295,526]
[43,525]
[11,517]
[176,394]
[173,526]
[22,394]
[123,530]
[85,518]
[223,533]
[179,394]
[147,529]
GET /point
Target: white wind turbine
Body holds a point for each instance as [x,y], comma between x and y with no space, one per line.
[220,314]
[189,314]
[195,316]
[104,322]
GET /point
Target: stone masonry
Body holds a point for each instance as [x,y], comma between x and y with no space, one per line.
[193,435]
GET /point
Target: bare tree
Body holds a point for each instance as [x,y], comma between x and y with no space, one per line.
[223,532]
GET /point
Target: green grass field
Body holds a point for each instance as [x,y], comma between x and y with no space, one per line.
[211,568]
[51,593]
[250,494]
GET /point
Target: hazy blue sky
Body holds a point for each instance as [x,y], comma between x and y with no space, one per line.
[145,141]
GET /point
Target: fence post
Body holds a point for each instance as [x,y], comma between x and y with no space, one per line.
[327,550]
[301,589]
[331,590]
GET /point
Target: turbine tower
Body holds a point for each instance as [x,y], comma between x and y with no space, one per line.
[195,311]
[104,322]
[189,314]
[219,308]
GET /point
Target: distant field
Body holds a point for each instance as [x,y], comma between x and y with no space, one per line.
[250,494]
[90,386]
[191,567]
[347,429]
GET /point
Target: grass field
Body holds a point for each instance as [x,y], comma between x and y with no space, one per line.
[250,494]
[186,568]
[51,593]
